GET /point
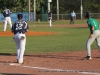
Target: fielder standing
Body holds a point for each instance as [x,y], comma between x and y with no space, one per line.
[50,18]
[72,17]
[6,14]
[19,29]
[94,34]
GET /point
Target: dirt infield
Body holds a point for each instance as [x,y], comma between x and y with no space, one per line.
[67,63]
[29,33]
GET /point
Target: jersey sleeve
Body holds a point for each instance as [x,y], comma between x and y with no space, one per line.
[26,26]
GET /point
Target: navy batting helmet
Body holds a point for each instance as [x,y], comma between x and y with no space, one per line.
[88,14]
[20,15]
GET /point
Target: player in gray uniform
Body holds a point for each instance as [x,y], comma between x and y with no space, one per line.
[6,14]
[19,29]
[94,34]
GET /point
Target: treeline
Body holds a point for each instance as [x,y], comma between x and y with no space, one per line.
[65,6]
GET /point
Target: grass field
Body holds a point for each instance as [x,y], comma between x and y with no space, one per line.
[65,39]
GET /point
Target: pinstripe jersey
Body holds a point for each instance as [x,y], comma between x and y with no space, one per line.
[20,26]
[6,13]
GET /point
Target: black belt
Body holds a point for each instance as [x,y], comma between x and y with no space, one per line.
[20,32]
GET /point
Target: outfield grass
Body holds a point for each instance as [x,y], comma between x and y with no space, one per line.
[61,22]
[65,39]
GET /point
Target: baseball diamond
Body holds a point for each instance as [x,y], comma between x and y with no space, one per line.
[53,63]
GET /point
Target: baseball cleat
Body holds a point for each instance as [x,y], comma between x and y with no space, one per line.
[87,58]
[21,63]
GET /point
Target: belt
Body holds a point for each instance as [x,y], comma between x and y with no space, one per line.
[20,33]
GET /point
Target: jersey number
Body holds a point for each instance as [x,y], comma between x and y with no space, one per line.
[19,26]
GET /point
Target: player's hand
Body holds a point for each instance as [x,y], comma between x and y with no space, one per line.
[90,36]
[10,12]
[51,18]
[22,37]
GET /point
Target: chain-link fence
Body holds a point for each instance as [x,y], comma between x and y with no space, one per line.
[43,17]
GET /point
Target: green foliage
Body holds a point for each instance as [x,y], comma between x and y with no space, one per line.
[65,6]
[91,5]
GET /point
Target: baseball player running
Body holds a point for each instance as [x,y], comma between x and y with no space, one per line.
[94,34]
[19,28]
[6,14]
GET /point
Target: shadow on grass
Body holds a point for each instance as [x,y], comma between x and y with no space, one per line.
[45,56]
[8,54]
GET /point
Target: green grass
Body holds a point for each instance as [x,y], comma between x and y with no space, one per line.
[59,22]
[64,40]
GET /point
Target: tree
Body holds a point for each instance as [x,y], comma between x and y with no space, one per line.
[65,5]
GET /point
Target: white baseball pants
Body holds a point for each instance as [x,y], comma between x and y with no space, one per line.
[7,19]
[20,44]
[50,21]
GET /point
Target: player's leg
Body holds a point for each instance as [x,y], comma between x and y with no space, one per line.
[9,21]
[5,24]
[98,40]
[22,48]
[50,23]
[70,20]
[88,44]
[16,39]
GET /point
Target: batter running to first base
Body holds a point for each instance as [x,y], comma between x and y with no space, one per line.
[94,34]
[19,28]
[6,14]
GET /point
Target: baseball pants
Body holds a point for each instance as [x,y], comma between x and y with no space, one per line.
[20,44]
[7,19]
[95,36]
[50,22]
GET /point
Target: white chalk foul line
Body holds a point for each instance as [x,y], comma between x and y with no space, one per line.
[42,69]
[61,70]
